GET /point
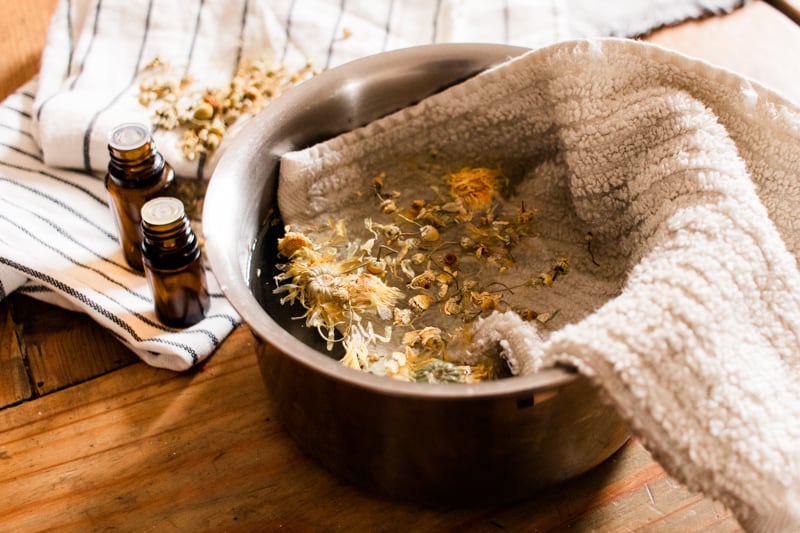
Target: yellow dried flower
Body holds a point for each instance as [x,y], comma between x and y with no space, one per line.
[420,302]
[476,187]
[423,281]
[334,292]
[292,242]
[429,340]
[428,233]
[206,113]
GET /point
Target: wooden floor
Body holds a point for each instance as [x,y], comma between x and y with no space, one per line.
[93,439]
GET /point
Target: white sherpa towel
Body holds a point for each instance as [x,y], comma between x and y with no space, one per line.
[688,313]
[57,238]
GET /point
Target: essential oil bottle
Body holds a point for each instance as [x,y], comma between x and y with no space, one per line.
[137,172]
[173,263]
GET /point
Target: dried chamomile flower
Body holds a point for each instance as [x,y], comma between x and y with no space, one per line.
[452,306]
[334,292]
[546,317]
[423,281]
[429,338]
[428,233]
[403,317]
[452,248]
[560,267]
[292,242]
[450,261]
[476,187]
[205,113]
[438,371]
[419,258]
[376,267]
[388,206]
[486,301]
[420,302]
[525,216]
[356,353]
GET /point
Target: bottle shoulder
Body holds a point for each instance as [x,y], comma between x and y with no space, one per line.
[164,180]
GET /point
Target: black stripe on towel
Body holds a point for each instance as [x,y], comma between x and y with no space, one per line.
[100,200]
[70,46]
[65,234]
[288,31]
[15,130]
[71,259]
[193,42]
[71,52]
[85,58]
[35,289]
[87,136]
[37,157]
[387,28]
[242,25]
[79,296]
[506,22]
[63,206]
[436,20]
[19,111]
[157,325]
[334,35]
[211,336]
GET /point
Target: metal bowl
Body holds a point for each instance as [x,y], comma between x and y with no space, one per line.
[486,442]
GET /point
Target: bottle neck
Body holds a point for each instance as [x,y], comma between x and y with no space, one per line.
[169,246]
[136,165]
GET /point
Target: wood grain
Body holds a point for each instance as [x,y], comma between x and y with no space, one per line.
[756,41]
[14,381]
[62,347]
[142,448]
[23,26]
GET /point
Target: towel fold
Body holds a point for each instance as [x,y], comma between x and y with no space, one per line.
[57,239]
[686,308]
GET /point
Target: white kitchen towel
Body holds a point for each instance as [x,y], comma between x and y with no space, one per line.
[57,238]
[686,310]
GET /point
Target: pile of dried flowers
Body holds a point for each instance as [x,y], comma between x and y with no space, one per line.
[429,267]
[205,113]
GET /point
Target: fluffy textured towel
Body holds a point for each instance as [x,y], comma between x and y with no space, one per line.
[687,176]
[57,238]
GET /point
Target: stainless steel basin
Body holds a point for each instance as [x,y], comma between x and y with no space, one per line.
[488,442]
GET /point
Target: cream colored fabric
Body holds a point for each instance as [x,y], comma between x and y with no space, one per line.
[687,176]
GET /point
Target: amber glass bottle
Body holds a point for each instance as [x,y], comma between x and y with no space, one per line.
[173,263]
[137,172]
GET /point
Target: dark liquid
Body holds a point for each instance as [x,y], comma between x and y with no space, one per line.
[262,284]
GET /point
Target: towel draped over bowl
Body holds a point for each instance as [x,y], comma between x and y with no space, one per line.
[688,313]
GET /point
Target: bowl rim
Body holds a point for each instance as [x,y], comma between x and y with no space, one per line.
[233,281]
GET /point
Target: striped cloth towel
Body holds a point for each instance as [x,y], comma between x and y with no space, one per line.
[57,238]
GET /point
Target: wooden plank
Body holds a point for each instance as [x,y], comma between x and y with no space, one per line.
[756,41]
[64,347]
[144,448]
[14,383]
[23,29]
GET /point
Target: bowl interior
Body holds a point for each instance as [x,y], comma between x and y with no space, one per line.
[240,212]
